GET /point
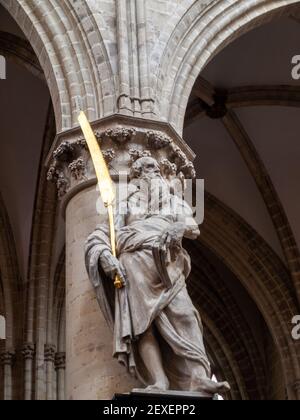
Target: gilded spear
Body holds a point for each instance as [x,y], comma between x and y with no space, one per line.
[106,186]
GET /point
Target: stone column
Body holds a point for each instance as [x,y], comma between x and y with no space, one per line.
[6,360]
[91,372]
[49,356]
[60,366]
[28,352]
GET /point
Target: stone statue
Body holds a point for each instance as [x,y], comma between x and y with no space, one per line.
[158,332]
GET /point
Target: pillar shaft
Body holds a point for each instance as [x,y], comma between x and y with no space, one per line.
[91,371]
[7,359]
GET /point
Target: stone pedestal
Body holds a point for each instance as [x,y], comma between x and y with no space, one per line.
[163,397]
[91,372]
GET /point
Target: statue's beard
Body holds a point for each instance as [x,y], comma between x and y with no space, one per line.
[155,181]
[151,175]
[157,190]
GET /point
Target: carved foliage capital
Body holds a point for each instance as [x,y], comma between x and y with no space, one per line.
[60,360]
[49,353]
[158,140]
[118,135]
[72,162]
[7,358]
[28,351]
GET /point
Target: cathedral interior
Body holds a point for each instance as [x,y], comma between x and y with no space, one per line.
[240,119]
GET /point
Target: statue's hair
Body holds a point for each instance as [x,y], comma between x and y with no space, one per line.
[137,167]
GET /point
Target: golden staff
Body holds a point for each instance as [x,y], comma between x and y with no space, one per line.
[105,182]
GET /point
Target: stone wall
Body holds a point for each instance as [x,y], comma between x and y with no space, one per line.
[141,60]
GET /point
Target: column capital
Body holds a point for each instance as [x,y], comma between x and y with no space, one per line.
[49,353]
[28,351]
[123,140]
[7,357]
[60,360]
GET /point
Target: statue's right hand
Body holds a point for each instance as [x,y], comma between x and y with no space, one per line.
[112,266]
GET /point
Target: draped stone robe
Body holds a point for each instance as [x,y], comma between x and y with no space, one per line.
[145,301]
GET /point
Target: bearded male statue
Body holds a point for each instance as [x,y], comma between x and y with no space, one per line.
[158,333]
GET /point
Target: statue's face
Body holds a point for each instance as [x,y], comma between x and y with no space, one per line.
[150,168]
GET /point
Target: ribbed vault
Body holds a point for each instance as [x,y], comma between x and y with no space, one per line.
[64,49]
[198,38]
[261,273]
[225,318]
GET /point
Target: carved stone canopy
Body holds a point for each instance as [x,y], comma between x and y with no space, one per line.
[122,141]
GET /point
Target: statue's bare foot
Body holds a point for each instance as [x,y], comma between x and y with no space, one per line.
[211,387]
[162,385]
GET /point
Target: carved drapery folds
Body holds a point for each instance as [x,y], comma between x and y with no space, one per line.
[71,163]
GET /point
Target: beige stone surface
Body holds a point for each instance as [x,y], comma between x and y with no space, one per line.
[2,328]
[91,372]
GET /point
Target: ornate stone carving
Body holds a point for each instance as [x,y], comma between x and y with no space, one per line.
[60,360]
[77,169]
[64,151]
[136,154]
[56,175]
[49,353]
[68,162]
[28,351]
[119,135]
[7,358]
[158,140]
[62,185]
[109,155]
[72,164]
[183,164]
[52,173]
[168,168]
[81,143]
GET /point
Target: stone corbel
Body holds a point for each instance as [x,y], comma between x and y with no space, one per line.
[122,142]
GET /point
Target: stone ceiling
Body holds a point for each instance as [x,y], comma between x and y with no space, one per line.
[260,58]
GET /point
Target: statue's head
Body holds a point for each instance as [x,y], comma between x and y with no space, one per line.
[145,167]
